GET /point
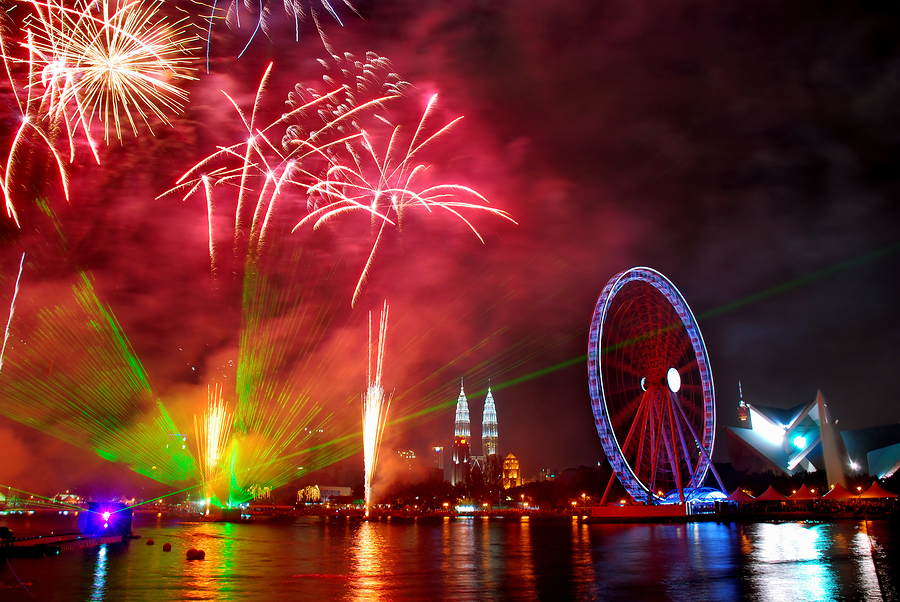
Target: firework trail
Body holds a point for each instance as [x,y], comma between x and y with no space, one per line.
[263,172]
[375,406]
[12,311]
[213,434]
[109,60]
[385,186]
[296,10]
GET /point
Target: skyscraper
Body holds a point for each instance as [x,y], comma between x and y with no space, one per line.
[461,436]
[489,427]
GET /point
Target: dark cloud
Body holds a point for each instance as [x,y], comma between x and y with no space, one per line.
[736,149]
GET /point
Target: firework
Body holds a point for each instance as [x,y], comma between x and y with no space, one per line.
[385,185]
[262,171]
[109,59]
[105,60]
[296,10]
[12,311]
[213,433]
[375,406]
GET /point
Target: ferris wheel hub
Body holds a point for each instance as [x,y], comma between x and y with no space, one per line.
[673,378]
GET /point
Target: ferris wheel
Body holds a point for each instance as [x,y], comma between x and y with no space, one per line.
[651,386]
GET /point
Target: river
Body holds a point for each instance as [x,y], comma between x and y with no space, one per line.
[519,558]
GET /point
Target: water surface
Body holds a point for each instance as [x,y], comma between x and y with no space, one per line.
[536,558]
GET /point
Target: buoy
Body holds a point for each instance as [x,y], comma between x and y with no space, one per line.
[167,547]
[201,554]
[149,542]
[192,554]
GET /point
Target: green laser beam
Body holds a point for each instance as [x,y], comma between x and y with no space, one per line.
[748,300]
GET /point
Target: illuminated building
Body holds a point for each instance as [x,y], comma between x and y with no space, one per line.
[806,438]
[461,436]
[511,474]
[489,426]
[461,459]
[438,457]
[408,456]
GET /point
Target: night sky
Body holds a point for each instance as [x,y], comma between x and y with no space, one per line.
[748,151]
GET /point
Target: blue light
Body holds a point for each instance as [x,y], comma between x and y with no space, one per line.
[800,441]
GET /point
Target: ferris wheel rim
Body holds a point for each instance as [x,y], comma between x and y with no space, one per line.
[602,419]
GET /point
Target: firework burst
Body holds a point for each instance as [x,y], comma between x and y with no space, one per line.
[262,171]
[386,185]
[112,61]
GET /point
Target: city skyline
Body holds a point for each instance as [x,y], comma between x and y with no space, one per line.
[761,179]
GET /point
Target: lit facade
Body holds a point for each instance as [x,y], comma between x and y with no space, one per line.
[489,426]
[461,460]
[512,477]
[806,438]
[461,437]
[408,456]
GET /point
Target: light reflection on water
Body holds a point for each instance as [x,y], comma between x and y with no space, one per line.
[788,563]
[99,586]
[807,561]
[537,558]
[368,549]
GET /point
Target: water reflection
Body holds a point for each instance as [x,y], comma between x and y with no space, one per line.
[790,563]
[98,588]
[867,574]
[582,561]
[369,552]
[205,579]
[458,554]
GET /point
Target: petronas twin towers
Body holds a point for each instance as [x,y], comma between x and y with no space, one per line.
[462,458]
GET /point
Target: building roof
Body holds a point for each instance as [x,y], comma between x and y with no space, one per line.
[839,493]
[876,491]
[770,495]
[805,493]
[740,495]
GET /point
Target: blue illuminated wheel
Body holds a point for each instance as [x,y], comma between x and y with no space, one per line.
[651,385]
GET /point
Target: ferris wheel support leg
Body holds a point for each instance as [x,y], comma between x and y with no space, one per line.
[702,449]
[673,453]
[612,478]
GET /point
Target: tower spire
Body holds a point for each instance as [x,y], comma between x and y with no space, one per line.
[743,410]
[489,426]
[461,444]
[462,414]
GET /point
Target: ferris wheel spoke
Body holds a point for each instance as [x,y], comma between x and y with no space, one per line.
[654,448]
[617,363]
[630,408]
[677,426]
[672,449]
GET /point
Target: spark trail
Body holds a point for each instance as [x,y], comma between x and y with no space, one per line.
[375,406]
[213,434]
[12,311]
[296,10]
[385,185]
